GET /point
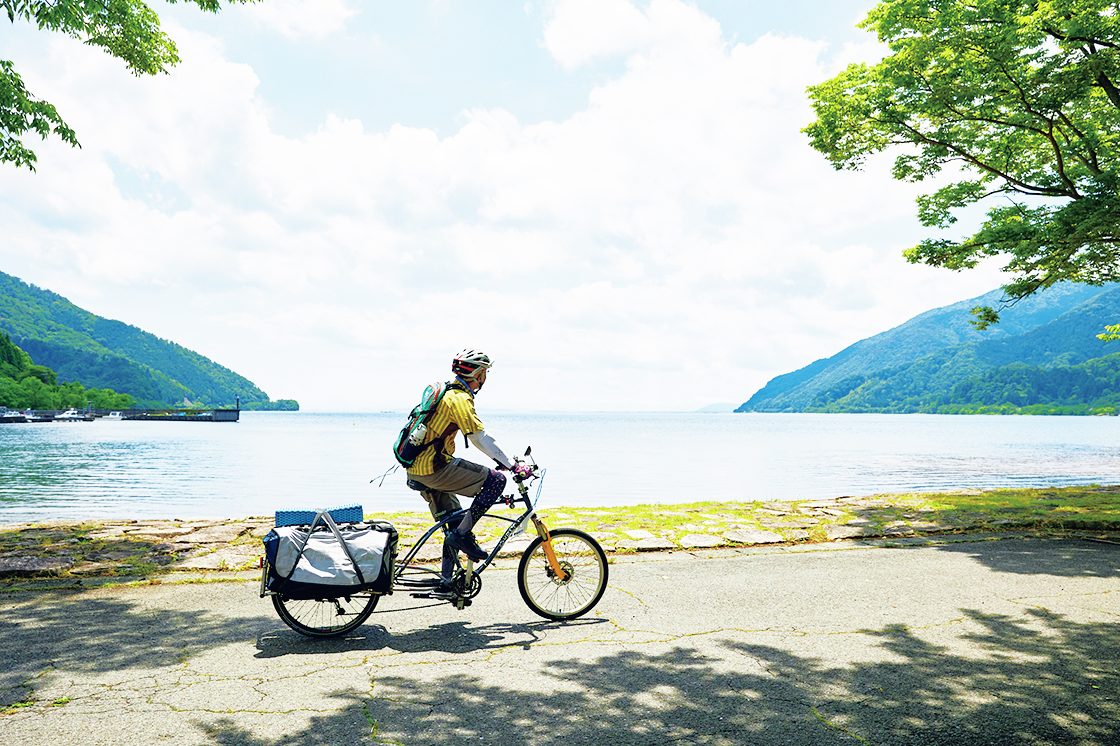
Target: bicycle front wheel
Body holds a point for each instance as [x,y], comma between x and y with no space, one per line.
[325,617]
[585,575]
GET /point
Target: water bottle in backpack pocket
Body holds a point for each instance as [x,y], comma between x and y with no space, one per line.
[410,443]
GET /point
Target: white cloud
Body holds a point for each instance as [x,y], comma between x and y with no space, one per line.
[675,242]
[583,31]
[298,19]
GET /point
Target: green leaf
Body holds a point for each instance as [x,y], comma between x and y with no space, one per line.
[127,29]
[1020,102]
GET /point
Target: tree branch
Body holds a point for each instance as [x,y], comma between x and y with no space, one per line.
[1102,79]
[1083,39]
[1019,184]
[1110,89]
[1090,159]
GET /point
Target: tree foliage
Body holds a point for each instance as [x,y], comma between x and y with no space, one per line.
[127,29]
[1018,103]
[279,405]
[25,385]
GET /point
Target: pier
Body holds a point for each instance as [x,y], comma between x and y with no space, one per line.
[182,415]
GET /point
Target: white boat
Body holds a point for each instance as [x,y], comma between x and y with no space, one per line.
[114,416]
[72,415]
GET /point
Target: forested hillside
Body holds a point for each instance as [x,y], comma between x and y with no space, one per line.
[101,353]
[1043,357]
[25,385]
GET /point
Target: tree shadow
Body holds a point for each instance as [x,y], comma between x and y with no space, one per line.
[77,632]
[352,727]
[1048,680]
[1042,556]
[1039,680]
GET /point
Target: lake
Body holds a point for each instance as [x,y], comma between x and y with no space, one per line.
[272,460]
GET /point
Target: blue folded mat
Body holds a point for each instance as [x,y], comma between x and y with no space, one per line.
[343,514]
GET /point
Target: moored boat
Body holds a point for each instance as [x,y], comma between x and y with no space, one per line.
[73,415]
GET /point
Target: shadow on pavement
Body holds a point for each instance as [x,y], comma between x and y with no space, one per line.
[355,727]
[1034,556]
[1037,678]
[452,637]
[1040,680]
[95,634]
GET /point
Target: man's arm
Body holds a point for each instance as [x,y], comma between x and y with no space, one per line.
[486,444]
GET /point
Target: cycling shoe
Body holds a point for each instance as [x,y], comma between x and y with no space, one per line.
[467,544]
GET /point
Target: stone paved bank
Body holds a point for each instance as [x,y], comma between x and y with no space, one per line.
[150,548]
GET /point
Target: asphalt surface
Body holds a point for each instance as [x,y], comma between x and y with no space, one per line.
[1011,641]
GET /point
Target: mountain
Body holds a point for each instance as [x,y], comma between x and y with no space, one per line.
[1043,356]
[102,353]
[715,408]
[25,385]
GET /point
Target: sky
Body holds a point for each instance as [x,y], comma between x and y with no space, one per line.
[613,199]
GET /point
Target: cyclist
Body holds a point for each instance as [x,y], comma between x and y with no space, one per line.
[440,475]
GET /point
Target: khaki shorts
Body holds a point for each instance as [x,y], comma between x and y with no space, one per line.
[459,477]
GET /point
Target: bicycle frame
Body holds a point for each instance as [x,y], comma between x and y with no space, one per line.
[406,567]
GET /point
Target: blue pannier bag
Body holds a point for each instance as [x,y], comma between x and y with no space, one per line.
[322,559]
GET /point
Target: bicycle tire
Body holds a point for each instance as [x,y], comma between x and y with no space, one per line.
[584,561]
[321,618]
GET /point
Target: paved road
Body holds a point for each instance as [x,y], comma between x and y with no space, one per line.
[989,642]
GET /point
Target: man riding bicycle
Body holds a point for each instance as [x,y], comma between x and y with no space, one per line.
[440,475]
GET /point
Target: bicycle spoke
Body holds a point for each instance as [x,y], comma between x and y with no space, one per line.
[325,617]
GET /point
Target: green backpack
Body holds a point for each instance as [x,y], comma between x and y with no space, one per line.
[410,443]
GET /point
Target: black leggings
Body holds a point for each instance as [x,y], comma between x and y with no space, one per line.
[488,495]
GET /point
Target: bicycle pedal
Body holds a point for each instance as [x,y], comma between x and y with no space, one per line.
[439,597]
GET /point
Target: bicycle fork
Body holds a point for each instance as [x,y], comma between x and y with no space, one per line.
[546,543]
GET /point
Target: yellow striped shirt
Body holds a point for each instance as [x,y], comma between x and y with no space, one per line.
[455,413]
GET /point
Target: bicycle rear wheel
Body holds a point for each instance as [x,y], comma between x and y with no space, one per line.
[326,617]
[585,565]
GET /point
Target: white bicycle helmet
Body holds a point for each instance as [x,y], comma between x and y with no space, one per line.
[468,363]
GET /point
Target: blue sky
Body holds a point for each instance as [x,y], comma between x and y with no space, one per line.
[612,197]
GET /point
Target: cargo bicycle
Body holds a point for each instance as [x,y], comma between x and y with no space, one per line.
[561,575]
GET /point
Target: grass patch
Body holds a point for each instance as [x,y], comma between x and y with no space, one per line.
[17,706]
[1055,508]
[78,545]
[104,550]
